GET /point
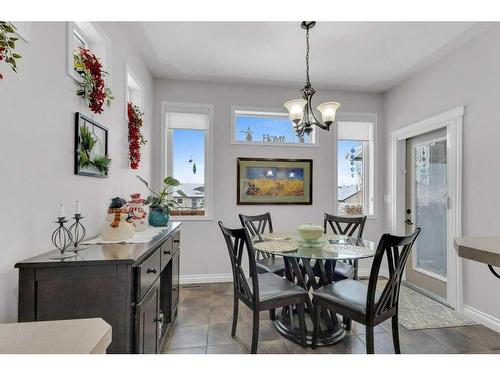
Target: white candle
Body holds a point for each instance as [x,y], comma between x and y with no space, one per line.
[78,208]
[61,211]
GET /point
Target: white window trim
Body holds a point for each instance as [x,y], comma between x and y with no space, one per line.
[166,165]
[130,72]
[106,59]
[359,117]
[266,112]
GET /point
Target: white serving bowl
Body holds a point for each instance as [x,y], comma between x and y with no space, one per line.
[310,232]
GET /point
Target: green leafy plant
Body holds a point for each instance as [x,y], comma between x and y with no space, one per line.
[87,143]
[7,45]
[162,199]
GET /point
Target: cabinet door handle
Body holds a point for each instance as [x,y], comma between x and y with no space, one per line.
[151,270]
[177,241]
[160,318]
[166,252]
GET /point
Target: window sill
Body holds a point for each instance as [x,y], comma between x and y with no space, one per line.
[270,144]
[191,218]
[368,217]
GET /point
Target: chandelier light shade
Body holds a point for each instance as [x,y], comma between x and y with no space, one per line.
[295,110]
[328,111]
[300,111]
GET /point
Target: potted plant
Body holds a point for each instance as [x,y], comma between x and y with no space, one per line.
[161,203]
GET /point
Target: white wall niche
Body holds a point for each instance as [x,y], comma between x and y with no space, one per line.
[134,90]
[89,35]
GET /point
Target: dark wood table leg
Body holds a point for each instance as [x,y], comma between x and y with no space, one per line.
[301,272]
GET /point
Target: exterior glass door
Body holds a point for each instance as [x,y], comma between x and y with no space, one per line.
[427,208]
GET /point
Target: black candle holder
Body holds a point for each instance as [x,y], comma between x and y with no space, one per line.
[78,232]
[61,238]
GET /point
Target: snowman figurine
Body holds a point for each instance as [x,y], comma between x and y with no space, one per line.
[118,225]
[136,211]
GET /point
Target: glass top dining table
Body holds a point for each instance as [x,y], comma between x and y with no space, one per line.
[311,265]
[328,247]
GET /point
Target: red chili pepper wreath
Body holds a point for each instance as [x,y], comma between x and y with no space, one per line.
[135,137]
[93,88]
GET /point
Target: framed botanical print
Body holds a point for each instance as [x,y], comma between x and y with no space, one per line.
[274,181]
[91,147]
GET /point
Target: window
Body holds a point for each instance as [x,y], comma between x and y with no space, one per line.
[188,157]
[88,35]
[355,165]
[264,127]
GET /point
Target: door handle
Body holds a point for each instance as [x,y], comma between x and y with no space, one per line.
[151,270]
[160,318]
[408,222]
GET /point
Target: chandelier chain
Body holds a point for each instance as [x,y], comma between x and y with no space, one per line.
[308,83]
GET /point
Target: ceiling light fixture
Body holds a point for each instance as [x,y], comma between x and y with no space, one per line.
[300,111]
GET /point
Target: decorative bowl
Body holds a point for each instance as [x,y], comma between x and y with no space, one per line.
[310,232]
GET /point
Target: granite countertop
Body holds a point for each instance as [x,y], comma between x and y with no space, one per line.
[76,336]
[109,253]
[481,249]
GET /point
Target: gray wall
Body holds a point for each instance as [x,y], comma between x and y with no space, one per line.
[470,76]
[37,108]
[204,252]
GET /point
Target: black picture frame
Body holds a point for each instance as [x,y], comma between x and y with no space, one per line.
[307,164]
[100,132]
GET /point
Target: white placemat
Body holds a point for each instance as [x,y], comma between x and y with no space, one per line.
[276,246]
[139,237]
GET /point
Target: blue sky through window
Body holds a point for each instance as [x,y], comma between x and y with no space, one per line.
[262,127]
[345,174]
[188,145]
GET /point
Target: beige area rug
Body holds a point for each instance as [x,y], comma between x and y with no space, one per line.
[417,311]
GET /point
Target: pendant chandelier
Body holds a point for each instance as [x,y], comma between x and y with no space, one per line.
[300,111]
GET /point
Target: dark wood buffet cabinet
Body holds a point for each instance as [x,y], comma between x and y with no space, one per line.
[133,287]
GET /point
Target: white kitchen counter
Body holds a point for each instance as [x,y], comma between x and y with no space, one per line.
[75,336]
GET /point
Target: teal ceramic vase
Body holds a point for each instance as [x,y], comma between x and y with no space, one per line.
[157,218]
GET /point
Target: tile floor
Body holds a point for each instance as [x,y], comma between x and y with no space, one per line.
[204,325]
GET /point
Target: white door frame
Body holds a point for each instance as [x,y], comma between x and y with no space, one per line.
[452,120]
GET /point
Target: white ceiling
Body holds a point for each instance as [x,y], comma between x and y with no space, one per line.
[367,56]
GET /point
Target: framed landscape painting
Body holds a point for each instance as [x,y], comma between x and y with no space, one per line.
[274,181]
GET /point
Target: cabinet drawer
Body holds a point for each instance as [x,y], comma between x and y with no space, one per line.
[176,241]
[148,271]
[166,251]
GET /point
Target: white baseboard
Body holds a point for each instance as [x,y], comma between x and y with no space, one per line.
[483,318]
[365,272]
[207,278]
[228,277]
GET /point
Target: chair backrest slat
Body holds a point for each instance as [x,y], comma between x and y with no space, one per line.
[238,244]
[345,225]
[397,250]
[257,225]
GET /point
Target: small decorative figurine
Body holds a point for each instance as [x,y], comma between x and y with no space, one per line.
[118,225]
[136,211]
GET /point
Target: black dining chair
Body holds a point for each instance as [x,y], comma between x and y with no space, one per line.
[257,225]
[259,292]
[362,302]
[351,226]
